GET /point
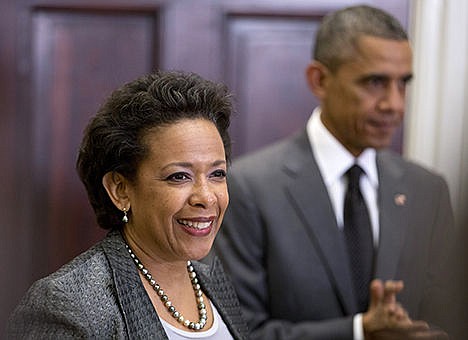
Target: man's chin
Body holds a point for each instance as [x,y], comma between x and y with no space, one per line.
[380,143]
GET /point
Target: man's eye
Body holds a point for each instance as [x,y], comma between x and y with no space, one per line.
[404,82]
[178,177]
[376,82]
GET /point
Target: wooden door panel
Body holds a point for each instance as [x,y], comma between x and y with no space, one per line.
[266,61]
[78,58]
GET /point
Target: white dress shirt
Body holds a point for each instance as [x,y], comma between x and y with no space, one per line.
[333,161]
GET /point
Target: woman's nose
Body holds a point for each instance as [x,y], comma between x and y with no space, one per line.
[202,195]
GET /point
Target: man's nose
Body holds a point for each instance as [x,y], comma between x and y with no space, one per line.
[394,99]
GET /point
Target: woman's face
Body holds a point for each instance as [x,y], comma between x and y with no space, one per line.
[179,196]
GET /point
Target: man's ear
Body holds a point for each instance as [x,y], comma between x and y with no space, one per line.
[116,187]
[316,74]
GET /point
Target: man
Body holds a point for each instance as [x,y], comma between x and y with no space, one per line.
[285,239]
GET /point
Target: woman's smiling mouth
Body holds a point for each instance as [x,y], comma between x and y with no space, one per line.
[196,224]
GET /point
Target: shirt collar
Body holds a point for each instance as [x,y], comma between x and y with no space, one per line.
[332,158]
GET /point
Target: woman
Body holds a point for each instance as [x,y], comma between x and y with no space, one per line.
[153,161]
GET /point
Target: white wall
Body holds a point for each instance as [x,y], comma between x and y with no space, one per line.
[437,120]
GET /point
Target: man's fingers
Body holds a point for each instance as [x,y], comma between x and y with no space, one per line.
[416,326]
[391,289]
[376,293]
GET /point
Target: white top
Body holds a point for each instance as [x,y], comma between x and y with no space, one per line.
[217,331]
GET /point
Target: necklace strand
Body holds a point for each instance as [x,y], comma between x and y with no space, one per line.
[165,299]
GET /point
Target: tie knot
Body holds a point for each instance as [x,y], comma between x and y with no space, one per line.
[353,174]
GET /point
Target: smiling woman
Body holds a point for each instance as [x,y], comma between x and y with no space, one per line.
[184,180]
[154,162]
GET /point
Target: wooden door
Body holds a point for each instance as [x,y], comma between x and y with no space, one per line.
[59,59]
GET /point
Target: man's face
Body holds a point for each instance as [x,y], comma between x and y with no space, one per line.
[363,101]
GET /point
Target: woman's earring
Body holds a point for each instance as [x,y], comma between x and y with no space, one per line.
[125,217]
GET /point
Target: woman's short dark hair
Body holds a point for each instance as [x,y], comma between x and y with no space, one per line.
[113,139]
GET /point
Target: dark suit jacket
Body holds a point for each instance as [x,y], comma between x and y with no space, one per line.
[282,247]
[99,295]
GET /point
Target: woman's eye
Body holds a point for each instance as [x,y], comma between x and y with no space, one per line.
[178,177]
[219,174]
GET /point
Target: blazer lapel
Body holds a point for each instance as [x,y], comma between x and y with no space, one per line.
[215,286]
[137,309]
[392,197]
[306,185]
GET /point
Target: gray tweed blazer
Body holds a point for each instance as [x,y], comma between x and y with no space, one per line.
[99,295]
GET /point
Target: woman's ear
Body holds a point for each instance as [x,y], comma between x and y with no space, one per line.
[116,186]
[316,74]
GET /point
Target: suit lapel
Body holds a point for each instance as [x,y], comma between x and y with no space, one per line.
[392,197]
[306,185]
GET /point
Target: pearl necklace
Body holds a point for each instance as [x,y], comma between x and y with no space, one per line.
[165,299]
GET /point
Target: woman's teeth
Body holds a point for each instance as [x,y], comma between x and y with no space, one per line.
[196,225]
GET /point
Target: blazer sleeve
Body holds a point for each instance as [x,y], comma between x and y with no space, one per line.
[241,246]
[47,312]
[440,289]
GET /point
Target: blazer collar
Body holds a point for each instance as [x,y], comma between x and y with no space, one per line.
[139,315]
